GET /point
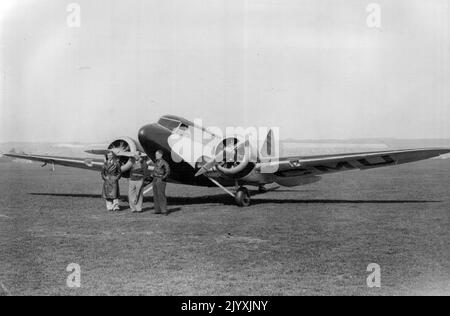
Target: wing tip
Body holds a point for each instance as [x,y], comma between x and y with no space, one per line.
[440,151]
[444,151]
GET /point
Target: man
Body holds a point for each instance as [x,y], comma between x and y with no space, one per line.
[136,184]
[111,174]
[161,172]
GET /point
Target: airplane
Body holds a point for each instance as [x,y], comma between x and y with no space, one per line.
[229,162]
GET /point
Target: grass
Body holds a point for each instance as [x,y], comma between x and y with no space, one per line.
[314,240]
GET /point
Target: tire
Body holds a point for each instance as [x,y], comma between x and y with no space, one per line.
[242,197]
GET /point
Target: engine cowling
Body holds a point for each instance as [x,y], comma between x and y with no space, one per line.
[236,161]
[124,145]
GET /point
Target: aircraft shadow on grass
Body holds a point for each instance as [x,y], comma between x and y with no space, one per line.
[227,200]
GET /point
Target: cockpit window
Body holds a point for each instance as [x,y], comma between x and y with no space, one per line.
[169,123]
[183,127]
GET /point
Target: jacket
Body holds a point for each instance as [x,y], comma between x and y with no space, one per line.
[138,171]
[111,174]
[161,170]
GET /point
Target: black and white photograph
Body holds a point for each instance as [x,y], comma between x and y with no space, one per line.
[224,153]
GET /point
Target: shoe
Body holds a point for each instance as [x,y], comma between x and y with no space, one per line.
[157,213]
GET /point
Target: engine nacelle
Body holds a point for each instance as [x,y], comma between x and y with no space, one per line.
[125,145]
[236,162]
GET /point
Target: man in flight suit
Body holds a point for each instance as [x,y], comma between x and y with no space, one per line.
[160,174]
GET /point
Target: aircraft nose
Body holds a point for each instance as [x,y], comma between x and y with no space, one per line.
[144,134]
[152,137]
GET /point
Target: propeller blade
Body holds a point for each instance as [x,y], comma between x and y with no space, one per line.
[97,151]
[127,154]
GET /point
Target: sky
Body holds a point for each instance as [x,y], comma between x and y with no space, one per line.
[313,68]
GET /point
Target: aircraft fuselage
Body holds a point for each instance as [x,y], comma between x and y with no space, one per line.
[153,137]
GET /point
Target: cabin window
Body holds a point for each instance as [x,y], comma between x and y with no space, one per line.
[168,123]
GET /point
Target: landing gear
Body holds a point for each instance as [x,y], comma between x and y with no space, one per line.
[242,197]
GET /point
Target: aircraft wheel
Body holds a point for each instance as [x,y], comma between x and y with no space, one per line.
[242,197]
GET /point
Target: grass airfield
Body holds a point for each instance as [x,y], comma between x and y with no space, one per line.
[312,240]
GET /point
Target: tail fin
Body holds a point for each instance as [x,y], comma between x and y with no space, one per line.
[267,147]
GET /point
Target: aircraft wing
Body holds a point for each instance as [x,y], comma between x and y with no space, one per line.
[317,165]
[82,163]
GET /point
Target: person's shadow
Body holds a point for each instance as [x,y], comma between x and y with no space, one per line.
[125,206]
[152,208]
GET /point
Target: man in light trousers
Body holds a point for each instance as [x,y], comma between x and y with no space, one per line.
[136,184]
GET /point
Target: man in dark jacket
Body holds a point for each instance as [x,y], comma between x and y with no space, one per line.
[160,174]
